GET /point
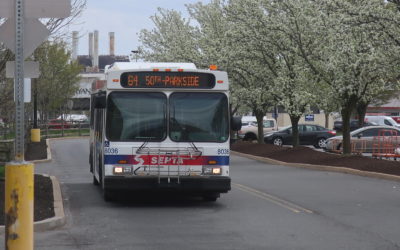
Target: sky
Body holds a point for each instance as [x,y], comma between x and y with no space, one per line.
[124,17]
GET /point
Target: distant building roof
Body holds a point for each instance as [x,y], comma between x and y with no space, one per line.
[104,60]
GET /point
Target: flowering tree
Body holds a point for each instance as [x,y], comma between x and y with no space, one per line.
[173,39]
[264,29]
[292,53]
[352,54]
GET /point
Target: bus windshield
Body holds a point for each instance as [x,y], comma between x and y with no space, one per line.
[198,117]
[136,116]
[142,116]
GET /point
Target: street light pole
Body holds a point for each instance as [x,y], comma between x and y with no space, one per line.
[136,52]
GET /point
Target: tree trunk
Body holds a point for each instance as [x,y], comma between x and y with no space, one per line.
[326,120]
[346,115]
[260,126]
[295,130]
[361,111]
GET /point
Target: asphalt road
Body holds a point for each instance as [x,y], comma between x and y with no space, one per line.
[269,207]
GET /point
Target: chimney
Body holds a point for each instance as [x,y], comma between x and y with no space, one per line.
[91,44]
[96,51]
[75,41]
[112,43]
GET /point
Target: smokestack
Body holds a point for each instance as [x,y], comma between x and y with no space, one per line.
[96,50]
[75,41]
[112,43]
[91,44]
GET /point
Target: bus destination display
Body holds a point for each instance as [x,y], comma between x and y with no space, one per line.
[191,80]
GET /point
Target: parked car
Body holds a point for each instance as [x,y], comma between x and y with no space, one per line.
[338,125]
[309,134]
[363,138]
[74,118]
[249,130]
[58,124]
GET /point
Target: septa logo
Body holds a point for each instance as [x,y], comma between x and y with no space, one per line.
[139,160]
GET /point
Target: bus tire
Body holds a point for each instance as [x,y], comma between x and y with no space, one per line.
[250,137]
[210,197]
[107,195]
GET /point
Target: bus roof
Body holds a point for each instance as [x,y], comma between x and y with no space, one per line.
[148,65]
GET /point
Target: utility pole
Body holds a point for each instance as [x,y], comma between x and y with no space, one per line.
[22,33]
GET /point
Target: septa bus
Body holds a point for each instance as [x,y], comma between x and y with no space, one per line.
[161,126]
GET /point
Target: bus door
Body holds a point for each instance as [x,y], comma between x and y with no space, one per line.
[98,139]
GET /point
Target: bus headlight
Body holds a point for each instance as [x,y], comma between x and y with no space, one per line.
[119,170]
[216,171]
[211,170]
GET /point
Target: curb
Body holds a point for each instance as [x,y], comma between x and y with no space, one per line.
[321,167]
[59,218]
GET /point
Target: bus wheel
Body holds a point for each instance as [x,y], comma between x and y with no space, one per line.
[107,195]
[210,197]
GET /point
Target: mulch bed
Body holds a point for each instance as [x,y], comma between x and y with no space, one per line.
[43,188]
[36,151]
[310,156]
[43,203]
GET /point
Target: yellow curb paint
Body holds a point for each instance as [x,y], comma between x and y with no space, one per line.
[19,198]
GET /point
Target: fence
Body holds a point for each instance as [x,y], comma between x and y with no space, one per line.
[386,144]
[357,146]
[6,151]
[51,129]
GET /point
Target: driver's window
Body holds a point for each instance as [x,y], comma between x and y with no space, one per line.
[387,122]
[370,132]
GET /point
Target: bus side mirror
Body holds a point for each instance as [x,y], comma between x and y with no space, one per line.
[100,101]
[236,123]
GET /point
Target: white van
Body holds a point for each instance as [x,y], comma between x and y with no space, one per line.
[249,130]
[250,120]
[381,120]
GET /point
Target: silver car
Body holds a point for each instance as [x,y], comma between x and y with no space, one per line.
[373,139]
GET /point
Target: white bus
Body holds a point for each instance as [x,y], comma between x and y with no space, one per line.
[161,126]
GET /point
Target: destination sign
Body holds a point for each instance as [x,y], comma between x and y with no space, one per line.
[190,80]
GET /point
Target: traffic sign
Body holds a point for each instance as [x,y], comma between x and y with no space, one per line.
[34,35]
[31,69]
[37,8]
[309,118]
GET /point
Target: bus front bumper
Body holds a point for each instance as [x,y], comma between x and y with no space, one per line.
[217,184]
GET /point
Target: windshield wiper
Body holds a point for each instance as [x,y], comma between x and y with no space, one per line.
[138,151]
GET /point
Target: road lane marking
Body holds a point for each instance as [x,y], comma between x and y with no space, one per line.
[271,198]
